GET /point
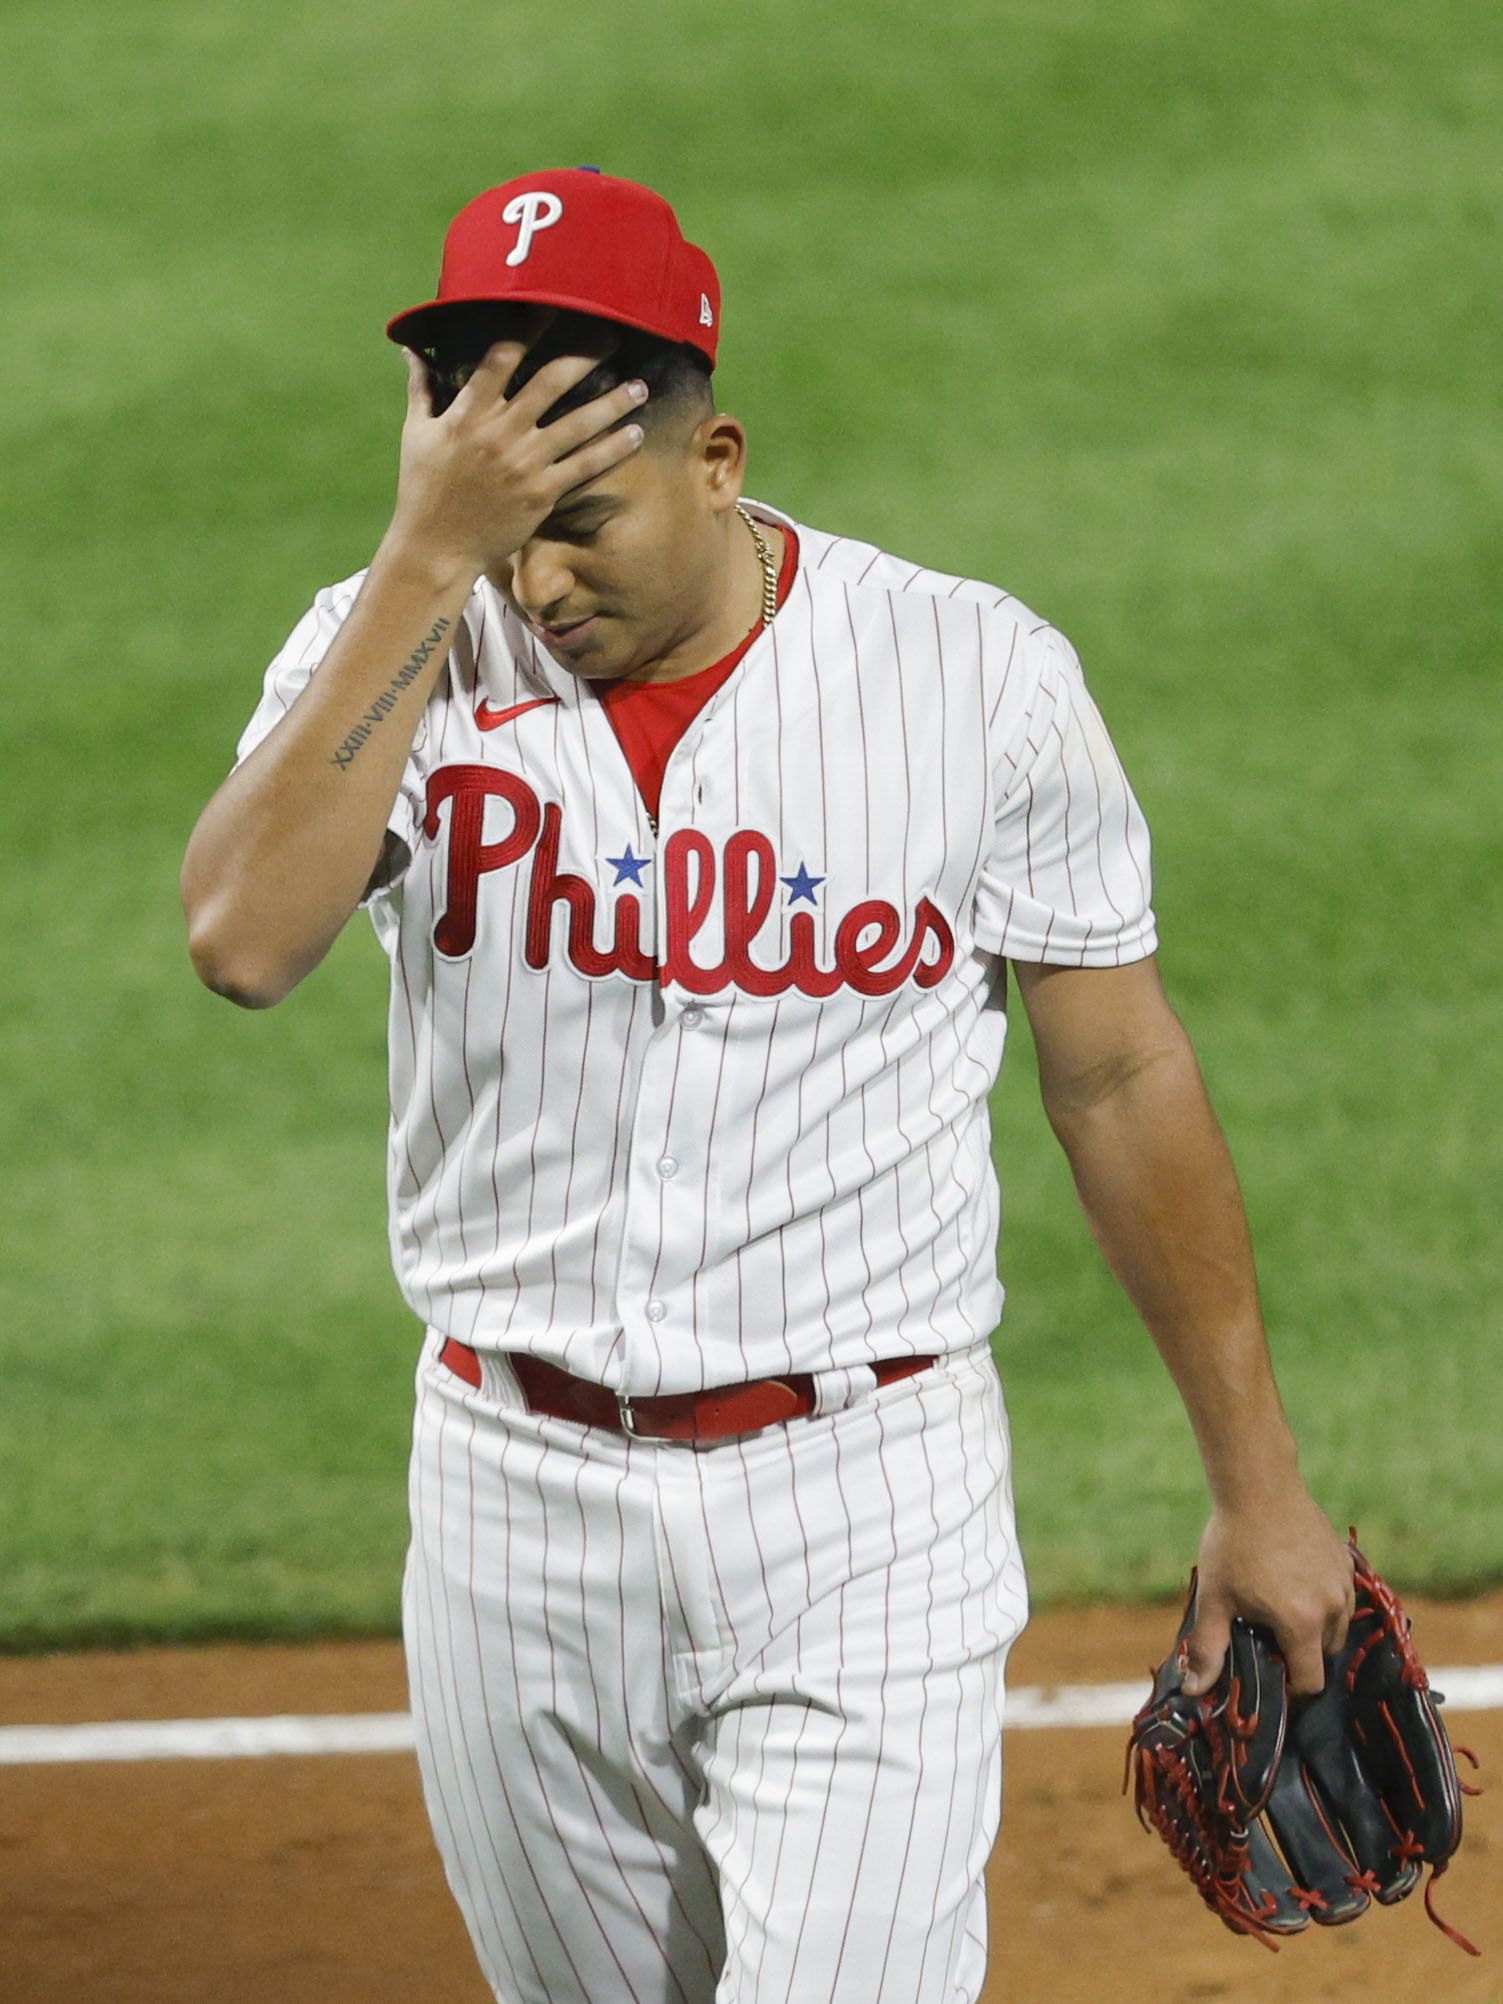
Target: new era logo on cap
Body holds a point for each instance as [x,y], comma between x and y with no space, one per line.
[576,238]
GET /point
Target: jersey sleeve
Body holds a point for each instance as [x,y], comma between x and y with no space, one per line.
[289,674]
[1067,880]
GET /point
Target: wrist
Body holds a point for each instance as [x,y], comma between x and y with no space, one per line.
[1255,1472]
[406,554]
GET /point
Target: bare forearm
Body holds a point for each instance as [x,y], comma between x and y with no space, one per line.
[1125,1097]
[1156,1181]
[286,846]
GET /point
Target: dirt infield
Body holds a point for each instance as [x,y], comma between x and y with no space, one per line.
[313,1881]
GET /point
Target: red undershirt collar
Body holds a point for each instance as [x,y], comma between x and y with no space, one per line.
[649,718]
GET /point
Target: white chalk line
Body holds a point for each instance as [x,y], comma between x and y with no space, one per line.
[1031,1706]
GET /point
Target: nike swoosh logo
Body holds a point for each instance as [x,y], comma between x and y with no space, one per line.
[490,720]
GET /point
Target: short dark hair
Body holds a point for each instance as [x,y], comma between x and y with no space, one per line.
[677,376]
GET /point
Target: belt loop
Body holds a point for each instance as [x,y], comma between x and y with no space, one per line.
[842,1386]
[502,1386]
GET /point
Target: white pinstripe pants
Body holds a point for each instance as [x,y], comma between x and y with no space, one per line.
[716,1723]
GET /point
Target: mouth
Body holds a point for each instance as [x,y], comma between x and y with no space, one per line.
[568,633]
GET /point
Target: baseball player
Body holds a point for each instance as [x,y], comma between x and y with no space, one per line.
[700,840]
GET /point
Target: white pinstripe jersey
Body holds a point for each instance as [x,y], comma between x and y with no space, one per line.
[682,1106]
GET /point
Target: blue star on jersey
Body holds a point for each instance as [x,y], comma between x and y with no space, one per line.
[802,885]
[628,868]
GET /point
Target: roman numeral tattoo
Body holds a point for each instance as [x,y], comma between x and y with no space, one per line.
[387,700]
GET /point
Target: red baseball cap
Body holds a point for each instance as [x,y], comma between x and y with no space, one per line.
[572,236]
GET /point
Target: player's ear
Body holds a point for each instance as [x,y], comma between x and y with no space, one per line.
[718,447]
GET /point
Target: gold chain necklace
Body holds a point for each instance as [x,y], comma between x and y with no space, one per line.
[769,568]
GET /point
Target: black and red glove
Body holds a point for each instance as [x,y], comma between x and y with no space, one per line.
[1284,1811]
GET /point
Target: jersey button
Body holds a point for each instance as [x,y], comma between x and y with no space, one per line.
[668,1168]
[692,1017]
[656,1310]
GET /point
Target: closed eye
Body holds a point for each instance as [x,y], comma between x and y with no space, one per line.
[579,519]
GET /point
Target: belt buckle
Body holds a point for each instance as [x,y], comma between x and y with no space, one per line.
[627,1417]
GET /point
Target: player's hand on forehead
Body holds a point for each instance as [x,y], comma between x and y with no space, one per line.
[477,478]
[523,410]
[491,394]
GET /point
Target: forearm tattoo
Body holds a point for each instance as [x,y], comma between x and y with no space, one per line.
[387,700]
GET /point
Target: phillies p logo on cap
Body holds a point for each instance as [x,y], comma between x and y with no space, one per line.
[576,238]
[539,211]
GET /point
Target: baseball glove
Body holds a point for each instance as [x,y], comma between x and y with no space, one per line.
[1286,1810]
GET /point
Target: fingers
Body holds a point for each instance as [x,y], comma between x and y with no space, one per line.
[583,443]
[1334,1639]
[596,458]
[554,380]
[1303,1659]
[1206,1647]
[567,434]
[1285,1568]
[1307,1636]
[485,394]
[488,379]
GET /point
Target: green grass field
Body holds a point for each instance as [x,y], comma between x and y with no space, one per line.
[1182,327]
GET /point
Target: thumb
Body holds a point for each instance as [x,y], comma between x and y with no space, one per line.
[1205,1650]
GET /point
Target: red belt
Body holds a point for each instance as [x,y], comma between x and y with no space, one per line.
[715,1414]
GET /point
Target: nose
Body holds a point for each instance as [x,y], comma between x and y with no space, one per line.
[541,582]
